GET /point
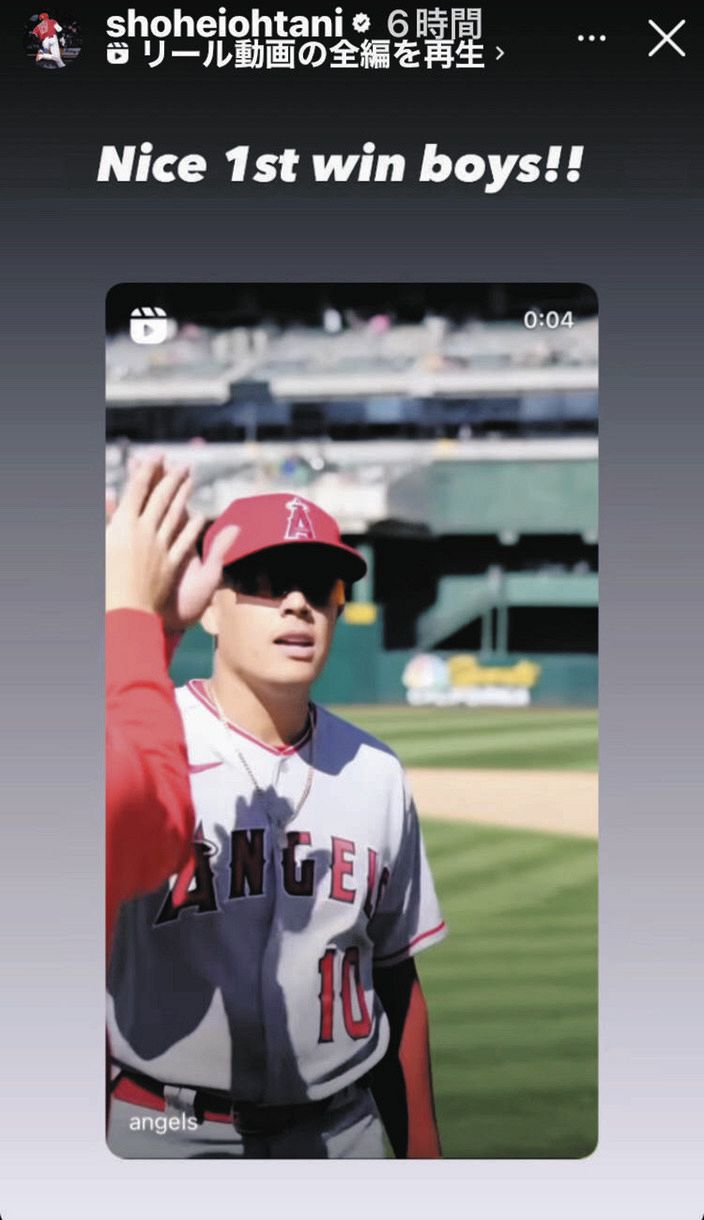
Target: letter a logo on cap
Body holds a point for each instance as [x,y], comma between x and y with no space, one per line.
[299,525]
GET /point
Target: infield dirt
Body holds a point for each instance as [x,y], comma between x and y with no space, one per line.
[559,802]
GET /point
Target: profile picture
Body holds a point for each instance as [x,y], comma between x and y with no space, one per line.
[52,39]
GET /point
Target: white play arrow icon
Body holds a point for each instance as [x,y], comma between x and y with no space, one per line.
[149,324]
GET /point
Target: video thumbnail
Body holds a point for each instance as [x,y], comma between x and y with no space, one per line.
[359,522]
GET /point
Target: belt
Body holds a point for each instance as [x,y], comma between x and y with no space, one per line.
[208,1106]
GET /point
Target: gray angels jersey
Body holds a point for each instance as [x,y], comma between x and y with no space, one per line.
[251,971]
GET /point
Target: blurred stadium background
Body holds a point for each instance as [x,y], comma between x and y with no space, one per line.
[457,447]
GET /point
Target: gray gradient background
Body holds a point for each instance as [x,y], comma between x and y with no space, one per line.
[642,256]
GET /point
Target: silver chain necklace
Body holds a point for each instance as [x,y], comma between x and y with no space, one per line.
[257,787]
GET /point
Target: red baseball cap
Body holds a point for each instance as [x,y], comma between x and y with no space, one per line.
[283,519]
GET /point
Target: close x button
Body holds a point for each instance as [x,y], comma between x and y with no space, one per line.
[666,39]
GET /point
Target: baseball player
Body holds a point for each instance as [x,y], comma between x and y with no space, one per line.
[264,1002]
[47,31]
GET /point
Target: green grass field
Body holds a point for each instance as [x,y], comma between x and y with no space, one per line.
[541,739]
[512,991]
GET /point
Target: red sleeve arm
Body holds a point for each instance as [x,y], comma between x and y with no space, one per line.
[149,811]
[402,1082]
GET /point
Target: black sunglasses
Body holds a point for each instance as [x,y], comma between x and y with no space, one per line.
[274,579]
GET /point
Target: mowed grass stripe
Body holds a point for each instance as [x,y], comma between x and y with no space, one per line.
[499,754]
[532,738]
[464,849]
[514,889]
[553,1137]
[518,886]
[529,725]
[528,730]
[552,956]
[512,992]
[479,860]
[431,721]
[533,979]
[560,1075]
[564,1043]
[566,942]
[569,759]
[545,992]
[402,715]
[533,1009]
[525,865]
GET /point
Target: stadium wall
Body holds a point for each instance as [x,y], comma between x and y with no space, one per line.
[360,670]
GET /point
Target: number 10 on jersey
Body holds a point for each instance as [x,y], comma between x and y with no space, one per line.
[340,975]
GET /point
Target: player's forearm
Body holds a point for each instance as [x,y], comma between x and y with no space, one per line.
[149,814]
[134,648]
[149,810]
[138,690]
[402,1082]
[148,830]
[140,703]
[414,1057]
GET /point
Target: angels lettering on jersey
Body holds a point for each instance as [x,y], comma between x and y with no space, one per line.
[193,889]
